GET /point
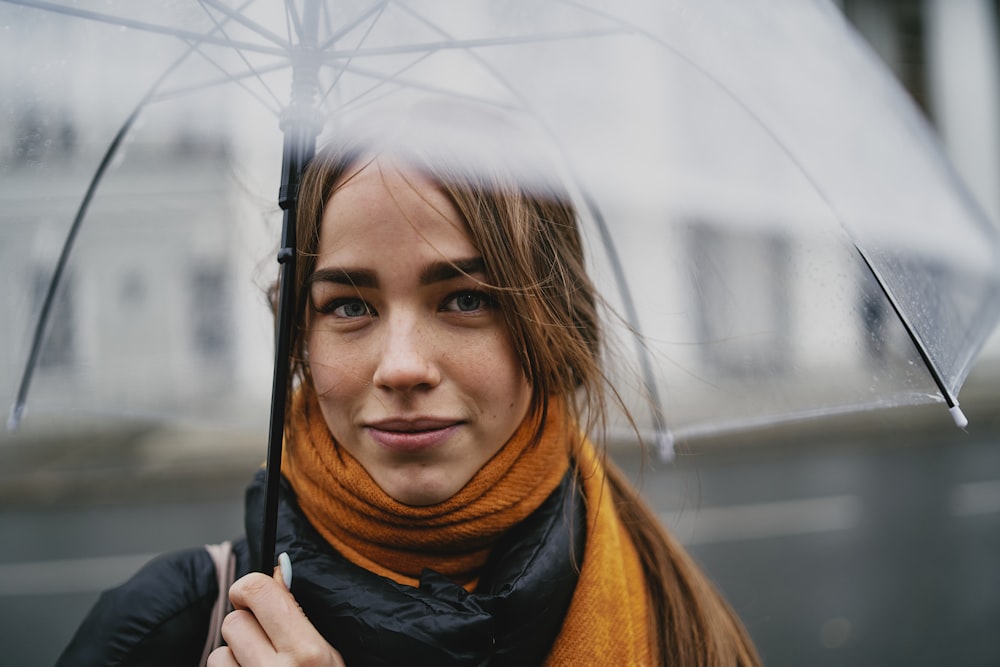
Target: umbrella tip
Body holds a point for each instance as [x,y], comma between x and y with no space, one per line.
[956,413]
[15,416]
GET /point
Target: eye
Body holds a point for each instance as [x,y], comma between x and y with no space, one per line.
[350,308]
[468,302]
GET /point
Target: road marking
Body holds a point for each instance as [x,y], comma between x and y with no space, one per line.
[78,575]
[802,516]
[976,498]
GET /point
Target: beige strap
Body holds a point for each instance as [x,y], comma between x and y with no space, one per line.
[225,573]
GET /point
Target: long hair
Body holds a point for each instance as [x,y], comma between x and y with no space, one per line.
[530,242]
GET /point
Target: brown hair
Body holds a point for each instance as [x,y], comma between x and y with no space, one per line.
[534,257]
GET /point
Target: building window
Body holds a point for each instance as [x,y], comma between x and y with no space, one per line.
[210,316]
[895,29]
[742,285]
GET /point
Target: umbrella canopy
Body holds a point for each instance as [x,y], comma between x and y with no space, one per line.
[763,205]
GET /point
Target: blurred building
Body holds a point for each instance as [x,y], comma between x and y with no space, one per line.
[145,320]
[946,53]
[157,312]
[156,243]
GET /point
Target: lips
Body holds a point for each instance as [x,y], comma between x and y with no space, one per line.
[412,435]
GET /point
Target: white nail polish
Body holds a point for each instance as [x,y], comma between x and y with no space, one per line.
[286,569]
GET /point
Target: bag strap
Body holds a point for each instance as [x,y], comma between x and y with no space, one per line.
[225,572]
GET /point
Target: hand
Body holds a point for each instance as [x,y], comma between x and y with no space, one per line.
[267,627]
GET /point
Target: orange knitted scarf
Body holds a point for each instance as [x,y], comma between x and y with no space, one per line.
[608,615]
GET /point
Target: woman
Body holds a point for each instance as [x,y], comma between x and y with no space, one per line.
[441,505]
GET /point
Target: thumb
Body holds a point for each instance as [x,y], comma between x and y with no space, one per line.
[283,570]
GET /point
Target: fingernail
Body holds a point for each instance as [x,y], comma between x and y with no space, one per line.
[285,563]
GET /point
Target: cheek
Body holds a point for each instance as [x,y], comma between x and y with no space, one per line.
[337,370]
[497,371]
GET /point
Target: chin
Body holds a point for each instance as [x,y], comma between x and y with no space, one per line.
[421,493]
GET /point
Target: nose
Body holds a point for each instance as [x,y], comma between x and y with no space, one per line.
[406,362]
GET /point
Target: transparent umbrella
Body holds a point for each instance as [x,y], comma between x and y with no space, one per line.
[765,210]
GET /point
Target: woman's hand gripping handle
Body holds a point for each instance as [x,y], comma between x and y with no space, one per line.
[267,627]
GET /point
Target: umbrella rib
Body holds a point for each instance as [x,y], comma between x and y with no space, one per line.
[340,71]
[227,77]
[382,80]
[467,44]
[120,21]
[239,17]
[663,436]
[17,409]
[475,56]
[377,8]
[950,399]
[293,24]
[415,85]
[239,52]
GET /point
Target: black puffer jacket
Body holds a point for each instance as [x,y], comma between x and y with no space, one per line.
[161,615]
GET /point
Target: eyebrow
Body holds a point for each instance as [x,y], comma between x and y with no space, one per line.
[441,271]
[345,276]
[432,273]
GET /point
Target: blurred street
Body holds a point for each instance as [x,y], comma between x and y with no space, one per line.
[865,550]
[866,543]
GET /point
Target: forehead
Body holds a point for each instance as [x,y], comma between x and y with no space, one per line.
[383,203]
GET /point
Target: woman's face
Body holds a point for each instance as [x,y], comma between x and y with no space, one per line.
[411,359]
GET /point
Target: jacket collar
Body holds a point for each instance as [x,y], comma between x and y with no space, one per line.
[512,618]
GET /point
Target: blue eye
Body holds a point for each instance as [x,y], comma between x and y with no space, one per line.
[349,308]
[468,302]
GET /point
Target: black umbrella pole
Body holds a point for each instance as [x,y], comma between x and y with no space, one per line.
[301,124]
[300,146]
